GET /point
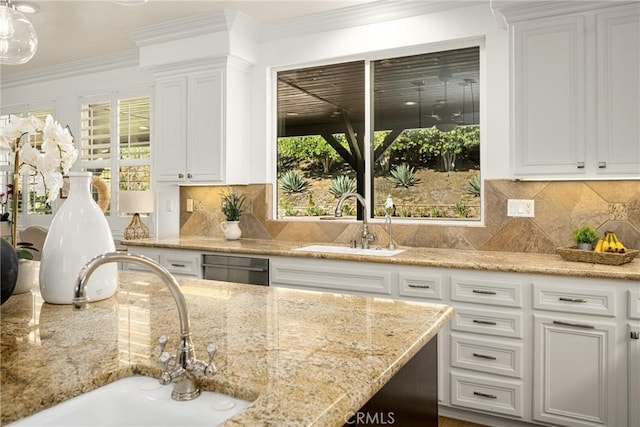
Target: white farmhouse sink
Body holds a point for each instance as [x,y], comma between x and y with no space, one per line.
[136,401]
[348,250]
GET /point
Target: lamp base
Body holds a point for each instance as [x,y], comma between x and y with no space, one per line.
[137,229]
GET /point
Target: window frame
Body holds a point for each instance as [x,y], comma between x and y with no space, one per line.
[368,58]
[116,220]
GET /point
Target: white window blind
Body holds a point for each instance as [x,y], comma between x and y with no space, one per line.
[115,136]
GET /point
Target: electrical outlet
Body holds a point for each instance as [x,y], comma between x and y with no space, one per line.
[189,205]
[520,208]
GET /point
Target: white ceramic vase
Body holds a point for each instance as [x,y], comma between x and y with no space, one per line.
[79,232]
[231,230]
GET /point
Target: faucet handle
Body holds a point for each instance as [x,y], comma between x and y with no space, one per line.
[211,368]
[162,342]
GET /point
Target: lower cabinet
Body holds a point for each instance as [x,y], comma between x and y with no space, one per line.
[179,262]
[574,375]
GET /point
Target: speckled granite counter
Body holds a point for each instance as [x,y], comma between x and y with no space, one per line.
[518,262]
[305,358]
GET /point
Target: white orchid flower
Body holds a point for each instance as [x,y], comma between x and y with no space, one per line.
[56,156]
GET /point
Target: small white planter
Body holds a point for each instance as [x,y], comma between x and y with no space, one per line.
[585,246]
[26,276]
[231,230]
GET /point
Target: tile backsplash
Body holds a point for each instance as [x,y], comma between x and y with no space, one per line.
[560,206]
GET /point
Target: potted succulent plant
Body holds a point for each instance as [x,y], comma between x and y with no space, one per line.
[233,206]
[585,236]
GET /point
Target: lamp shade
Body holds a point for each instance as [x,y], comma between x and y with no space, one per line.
[132,202]
[18,38]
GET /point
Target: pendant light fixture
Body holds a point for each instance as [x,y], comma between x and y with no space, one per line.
[18,38]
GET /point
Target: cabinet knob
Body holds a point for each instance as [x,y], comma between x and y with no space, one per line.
[635,335]
[602,165]
[580,165]
[189,175]
[180,175]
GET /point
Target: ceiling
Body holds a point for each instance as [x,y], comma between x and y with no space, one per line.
[81,29]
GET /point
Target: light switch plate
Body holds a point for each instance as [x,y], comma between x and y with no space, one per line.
[520,208]
[189,205]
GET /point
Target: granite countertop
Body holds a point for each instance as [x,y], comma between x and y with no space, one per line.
[303,358]
[518,262]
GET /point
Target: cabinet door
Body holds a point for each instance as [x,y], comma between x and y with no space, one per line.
[549,96]
[574,371]
[170,131]
[204,161]
[618,103]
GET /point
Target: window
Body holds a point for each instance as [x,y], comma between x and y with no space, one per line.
[36,204]
[421,145]
[115,136]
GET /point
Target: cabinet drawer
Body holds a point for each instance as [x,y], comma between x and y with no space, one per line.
[487,322]
[634,305]
[420,286]
[574,300]
[486,292]
[491,356]
[487,394]
[183,265]
[330,275]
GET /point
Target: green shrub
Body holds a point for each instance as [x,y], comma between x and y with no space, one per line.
[461,210]
[342,185]
[291,182]
[585,234]
[312,209]
[473,187]
[404,176]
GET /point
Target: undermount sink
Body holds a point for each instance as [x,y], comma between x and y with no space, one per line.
[136,401]
[350,251]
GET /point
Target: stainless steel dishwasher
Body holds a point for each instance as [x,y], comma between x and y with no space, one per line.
[238,269]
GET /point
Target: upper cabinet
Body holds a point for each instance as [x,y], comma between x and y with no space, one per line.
[576,92]
[189,127]
[201,104]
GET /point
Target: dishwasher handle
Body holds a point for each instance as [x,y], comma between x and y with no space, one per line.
[236,267]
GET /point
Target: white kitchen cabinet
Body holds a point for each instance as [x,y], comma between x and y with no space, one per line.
[576,94]
[330,275]
[574,372]
[633,373]
[179,262]
[188,125]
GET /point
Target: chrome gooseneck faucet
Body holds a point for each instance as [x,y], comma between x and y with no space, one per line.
[366,237]
[180,369]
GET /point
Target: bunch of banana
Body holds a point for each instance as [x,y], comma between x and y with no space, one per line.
[610,243]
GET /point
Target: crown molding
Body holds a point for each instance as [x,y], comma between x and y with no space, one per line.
[513,10]
[363,14]
[222,20]
[70,69]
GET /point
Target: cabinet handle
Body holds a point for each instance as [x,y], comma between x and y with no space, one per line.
[635,335]
[484,356]
[567,299]
[480,291]
[180,175]
[575,325]
[490,396]
[177,265]
[485,322]
[189,175]
[602,165]
[411,285]
[580,165]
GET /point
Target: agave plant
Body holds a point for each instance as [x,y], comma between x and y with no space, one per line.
[473,186]
[404,176]
[291,182]
[342,185]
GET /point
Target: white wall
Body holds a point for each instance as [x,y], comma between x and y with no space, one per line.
[410,35]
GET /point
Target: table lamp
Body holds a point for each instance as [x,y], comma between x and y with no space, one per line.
[136,202]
